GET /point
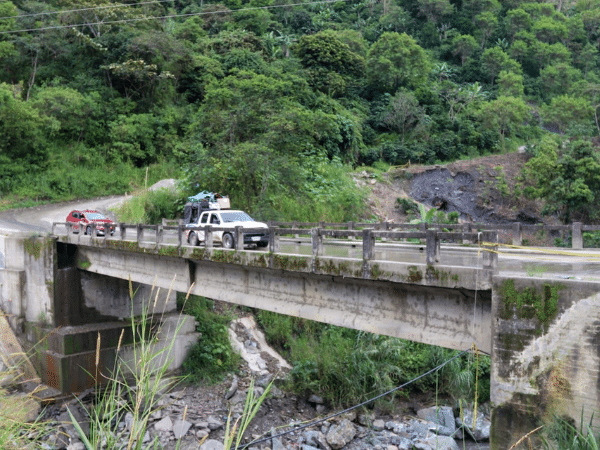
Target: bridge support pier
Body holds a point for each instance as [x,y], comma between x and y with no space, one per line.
[59,310]
[545,355]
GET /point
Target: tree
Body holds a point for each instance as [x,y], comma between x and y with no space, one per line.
[517,20]
[510,84]
[558,78]
[568,180]
[24,136]
[486,24]
[434,10]
[566,111]
[396,60]
[332,66]
[404,115]
[7,11]
[464,45]
[494,60]
[507,115]
[549,30]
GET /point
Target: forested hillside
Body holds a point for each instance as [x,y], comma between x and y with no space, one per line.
[274,101]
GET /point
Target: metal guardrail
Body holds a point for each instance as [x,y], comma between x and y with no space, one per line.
[367,237]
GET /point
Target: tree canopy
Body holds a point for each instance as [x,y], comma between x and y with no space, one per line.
[268,102]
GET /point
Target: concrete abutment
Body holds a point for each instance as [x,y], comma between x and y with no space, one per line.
[60,312]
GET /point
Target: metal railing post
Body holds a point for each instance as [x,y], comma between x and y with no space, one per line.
[140,233]
[123,230]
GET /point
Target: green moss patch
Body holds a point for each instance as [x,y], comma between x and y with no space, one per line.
[528,303]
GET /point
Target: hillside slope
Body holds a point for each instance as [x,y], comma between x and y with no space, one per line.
[482,190]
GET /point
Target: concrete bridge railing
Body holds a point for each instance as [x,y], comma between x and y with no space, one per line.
[366,237]
[514,231]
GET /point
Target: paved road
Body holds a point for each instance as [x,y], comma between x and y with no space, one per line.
[39,219]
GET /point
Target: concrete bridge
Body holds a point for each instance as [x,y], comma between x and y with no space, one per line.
[537,314]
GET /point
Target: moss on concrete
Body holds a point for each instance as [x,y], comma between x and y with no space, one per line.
[528,303]
[35,244]
[288,262]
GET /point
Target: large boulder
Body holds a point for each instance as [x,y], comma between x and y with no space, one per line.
[340,435]
[480,430]
[442,417]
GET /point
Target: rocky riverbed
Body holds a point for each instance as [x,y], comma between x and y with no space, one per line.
[195,417]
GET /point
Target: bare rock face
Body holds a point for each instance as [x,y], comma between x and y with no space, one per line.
[340,435]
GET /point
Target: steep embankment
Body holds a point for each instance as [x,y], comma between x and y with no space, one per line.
[483,190]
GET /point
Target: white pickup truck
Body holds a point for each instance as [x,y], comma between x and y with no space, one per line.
[228,219]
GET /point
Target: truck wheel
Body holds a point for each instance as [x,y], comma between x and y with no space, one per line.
[228,241]
[193,239]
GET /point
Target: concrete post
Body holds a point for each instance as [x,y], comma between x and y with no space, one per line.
[466,229]
[159,235]
[123,230]
[433,247]
[93,232]
[273,240]
[239,239]
[368,241]
[490,256]
[350,228]
[577,236]
[517,234]
[208,237]
[179,235]
[317,242]
[368,244]
[139,233]
[294,226]
[385,226]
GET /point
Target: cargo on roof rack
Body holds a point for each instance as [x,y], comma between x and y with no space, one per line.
[203,201]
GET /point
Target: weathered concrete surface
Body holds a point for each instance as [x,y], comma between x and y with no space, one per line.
[65,313]
[546,354]
[445,317]
[334,293]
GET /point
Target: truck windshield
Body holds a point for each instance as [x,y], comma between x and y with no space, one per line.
[236,217]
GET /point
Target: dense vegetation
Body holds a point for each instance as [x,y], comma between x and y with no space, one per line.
[273,101]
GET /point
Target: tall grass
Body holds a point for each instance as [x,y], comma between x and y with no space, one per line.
[19,428]
[133,387]
[347,366]
[563,434]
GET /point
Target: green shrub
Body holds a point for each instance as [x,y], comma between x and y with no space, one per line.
[212,356]
[151,207]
